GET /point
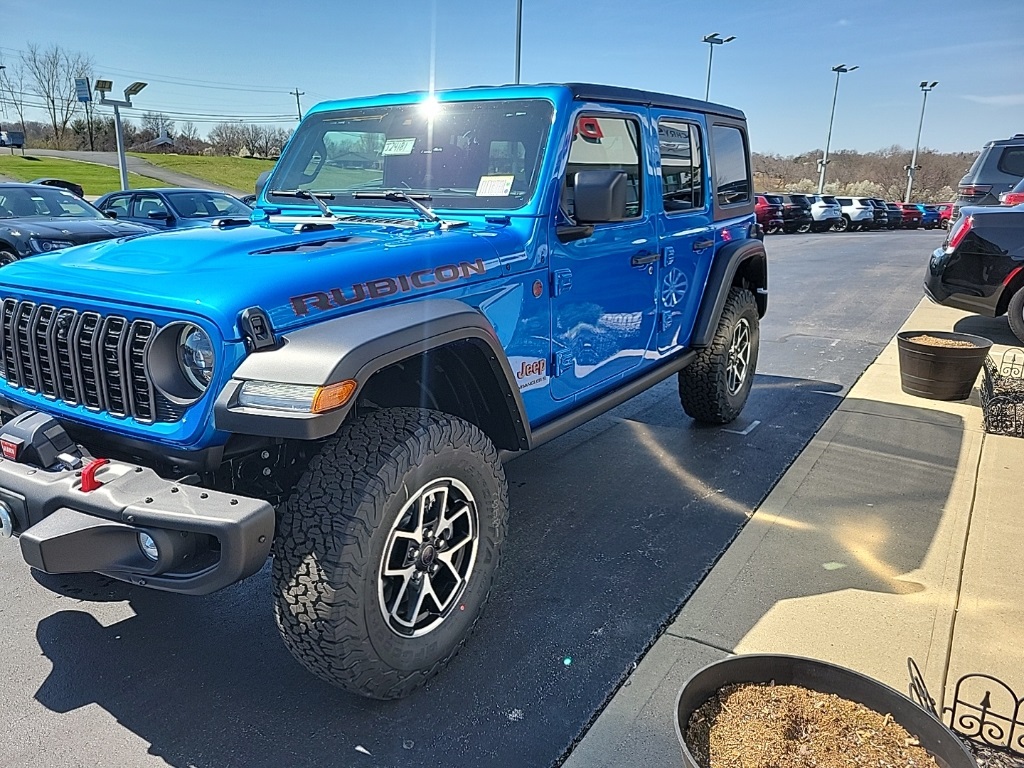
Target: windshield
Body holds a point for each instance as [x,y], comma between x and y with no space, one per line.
[470,154]
[206,205]
[43,202]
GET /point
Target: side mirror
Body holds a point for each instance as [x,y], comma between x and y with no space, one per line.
[110,213]
[600,196]
[160,215]
[261,181]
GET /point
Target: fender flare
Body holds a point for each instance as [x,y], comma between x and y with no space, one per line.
[748,255]
[356,347]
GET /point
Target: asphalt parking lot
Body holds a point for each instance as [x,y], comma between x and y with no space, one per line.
[612,527]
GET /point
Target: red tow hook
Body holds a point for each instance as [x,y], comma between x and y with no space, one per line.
[89,481]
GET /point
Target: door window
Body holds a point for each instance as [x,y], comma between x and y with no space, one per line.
[605,144]
[118,204]
[732,173]
[147,204]
[682,169]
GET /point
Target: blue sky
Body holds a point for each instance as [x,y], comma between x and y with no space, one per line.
[209,59]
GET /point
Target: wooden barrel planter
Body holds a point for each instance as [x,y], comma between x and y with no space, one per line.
[940,365]
[931,734]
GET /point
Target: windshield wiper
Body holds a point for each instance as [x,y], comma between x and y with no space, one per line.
[398,194]
[306,194]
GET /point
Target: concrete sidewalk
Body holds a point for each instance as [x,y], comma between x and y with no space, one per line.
[893,535]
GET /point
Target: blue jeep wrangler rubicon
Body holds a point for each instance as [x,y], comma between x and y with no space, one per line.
[429,285]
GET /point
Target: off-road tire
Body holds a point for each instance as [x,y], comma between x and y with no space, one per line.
[332,534]
[7,257]
[1015,314]
[703,388]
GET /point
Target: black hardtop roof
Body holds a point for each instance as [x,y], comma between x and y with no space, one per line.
[592,92]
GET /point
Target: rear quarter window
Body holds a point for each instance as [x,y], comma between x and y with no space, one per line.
[732,171]
[1011,161]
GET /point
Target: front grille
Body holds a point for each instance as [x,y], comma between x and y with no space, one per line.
[81,358]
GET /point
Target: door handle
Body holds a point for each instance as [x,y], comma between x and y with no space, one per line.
[643,258]
[700,245]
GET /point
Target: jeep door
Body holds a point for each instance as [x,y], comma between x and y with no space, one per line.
[603,285]
[686,238]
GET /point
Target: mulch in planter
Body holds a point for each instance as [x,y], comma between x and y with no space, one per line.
[935,341]
[786,726]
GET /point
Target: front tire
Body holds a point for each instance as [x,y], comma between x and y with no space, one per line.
[1015,314]
[385,553]
[7,257]
[714,387]
[843,225]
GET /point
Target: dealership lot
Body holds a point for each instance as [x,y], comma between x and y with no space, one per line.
[612,527]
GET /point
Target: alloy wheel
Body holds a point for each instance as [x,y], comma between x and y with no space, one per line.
[739,357]
[428,557]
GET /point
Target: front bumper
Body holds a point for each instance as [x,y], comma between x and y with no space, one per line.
[206,539]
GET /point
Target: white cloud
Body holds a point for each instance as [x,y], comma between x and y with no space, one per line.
[1002,100]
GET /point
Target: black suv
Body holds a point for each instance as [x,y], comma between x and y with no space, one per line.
[996,170]
[980,266]
[796,213]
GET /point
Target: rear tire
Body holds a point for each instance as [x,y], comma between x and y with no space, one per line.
[1015,314]
[385,553]
[714,387]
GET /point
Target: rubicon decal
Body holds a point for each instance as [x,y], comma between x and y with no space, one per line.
[531,372]
[385,286]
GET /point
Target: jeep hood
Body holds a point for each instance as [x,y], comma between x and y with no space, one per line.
[296,277]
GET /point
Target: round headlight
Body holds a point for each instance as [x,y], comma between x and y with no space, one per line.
[195,355]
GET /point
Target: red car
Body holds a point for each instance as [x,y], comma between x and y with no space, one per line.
[768,209]
[945,211]
[911,215]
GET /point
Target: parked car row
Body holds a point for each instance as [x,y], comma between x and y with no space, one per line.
[40,218]
[819,213]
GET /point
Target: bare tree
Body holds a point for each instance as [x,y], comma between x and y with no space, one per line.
[188,140]
[13,88]
[51,74]
[227,138]
[155,124]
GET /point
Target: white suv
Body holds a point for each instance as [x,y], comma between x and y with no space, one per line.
[857,213]
[825,211]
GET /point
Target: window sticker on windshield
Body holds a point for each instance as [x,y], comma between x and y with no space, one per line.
[494,186]
[398,147]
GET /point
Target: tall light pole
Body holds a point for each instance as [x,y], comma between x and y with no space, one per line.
[519,36]
[926,87]
[103,87]
[839,69]
[712,40]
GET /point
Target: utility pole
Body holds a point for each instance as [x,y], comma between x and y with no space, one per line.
[839,69]
[926,87]
[519,35]
[298,104]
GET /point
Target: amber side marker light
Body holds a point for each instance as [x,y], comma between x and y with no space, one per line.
[333,396]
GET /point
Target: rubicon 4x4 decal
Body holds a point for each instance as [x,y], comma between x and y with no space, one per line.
[385,286]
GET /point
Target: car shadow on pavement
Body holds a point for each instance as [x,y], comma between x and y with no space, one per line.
[613,526]
[996,329]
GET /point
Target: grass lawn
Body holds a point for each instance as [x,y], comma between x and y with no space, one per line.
[236,172]
[95,179]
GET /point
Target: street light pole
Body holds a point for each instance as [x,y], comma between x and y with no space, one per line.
[926,87]
[712,40]
[519,36]
[103,87]
[839,69]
